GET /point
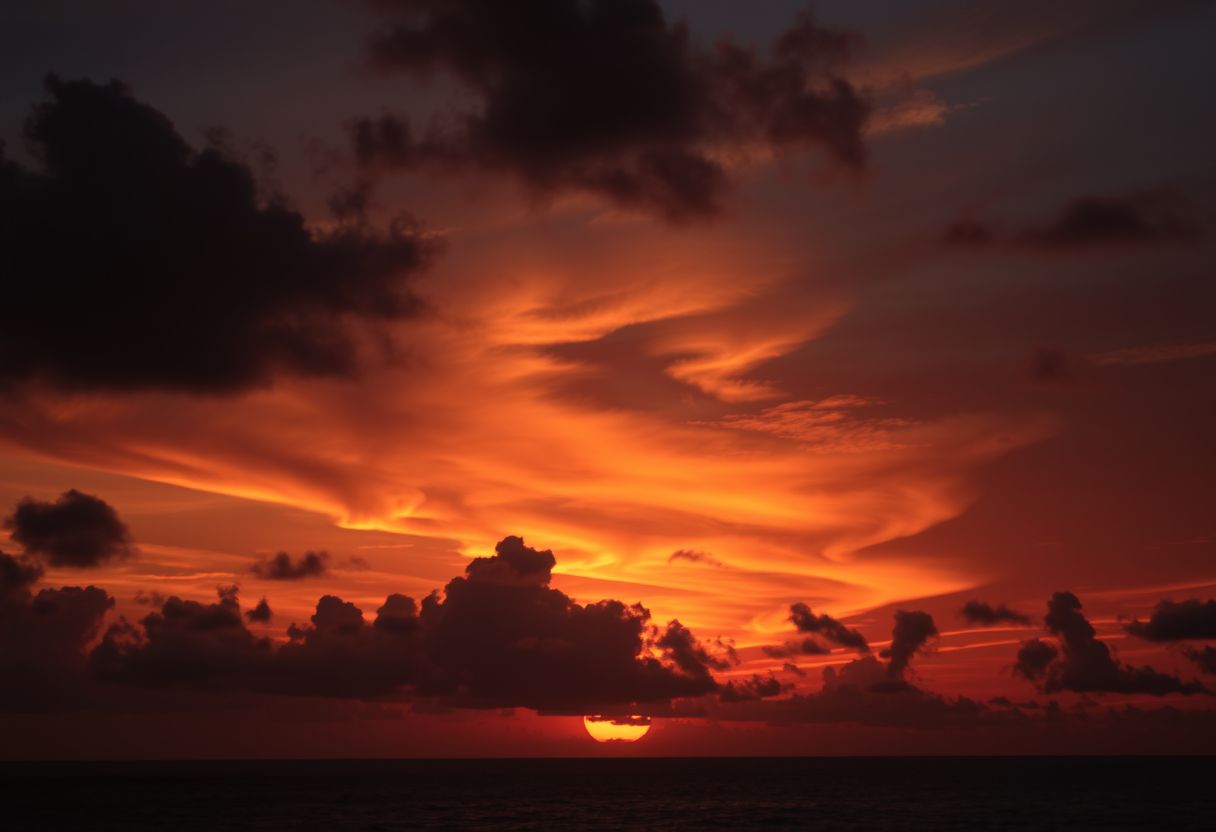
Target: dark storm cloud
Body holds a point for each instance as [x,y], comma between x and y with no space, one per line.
[1086,664]
[1177,621]
[827,627]
[1145,217]
[499,636]
[130,260]
[912,630]
[17,573]
[979,612]
[42,644]
[1205,658]
[260,614]
[608,97]
[282,568]
[77,530]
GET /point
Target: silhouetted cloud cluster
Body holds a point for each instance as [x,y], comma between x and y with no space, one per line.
[608,97]
[499,636]
[1178,621]
[755,687]
[42,642]
[1083,663]
[17,573]
[282,568]
[76,530]
[1143,217]
[986,615]
[130,260]
[824,625]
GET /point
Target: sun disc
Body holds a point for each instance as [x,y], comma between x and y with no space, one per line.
[616,728]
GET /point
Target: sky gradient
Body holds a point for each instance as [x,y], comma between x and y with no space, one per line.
[806,380]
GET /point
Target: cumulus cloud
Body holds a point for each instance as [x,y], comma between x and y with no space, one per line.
[827,627]
[17,573]
[282,568]
[1034,657]
[76,530]
[1177,621]
[984,614]
[912,631]
[610,98]
[261,613]
[130,260]
[756,687]
[1085,664]
[499,636]
[43,639]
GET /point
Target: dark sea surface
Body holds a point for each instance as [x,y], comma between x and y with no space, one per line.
[697,793]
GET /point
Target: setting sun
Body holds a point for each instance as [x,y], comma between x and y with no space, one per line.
[617,728]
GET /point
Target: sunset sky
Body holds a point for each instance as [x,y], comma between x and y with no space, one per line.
[796,379]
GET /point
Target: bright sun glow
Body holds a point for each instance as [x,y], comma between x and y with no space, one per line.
[617,729]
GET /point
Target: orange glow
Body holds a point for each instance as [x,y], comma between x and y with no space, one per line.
[617,729]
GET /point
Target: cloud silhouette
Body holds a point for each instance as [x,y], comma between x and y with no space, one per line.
[76,530]
[824,625]
[282,568]
[978,612]
[499,636]
[1177,621]
[132,261]
[608,97]
[1086,664]
[1141,218]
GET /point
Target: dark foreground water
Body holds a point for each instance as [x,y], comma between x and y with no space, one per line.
[768,793]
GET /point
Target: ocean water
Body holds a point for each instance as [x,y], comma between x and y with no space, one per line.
[696,793]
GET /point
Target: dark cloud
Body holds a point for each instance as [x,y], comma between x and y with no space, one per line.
[1177,621]
[17,574]
[260,614]
[807,647]
[186,644]
[1145,217]
[624,719]
[1034,657]
[827,627]
[42,645]
[912,630]
[77,530]
[1086,664]
[757,687]
[694,557]
[1205,658]
[863,693]
[608,97]
[499,636]
[130,260]
[282,568]
[979,612]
